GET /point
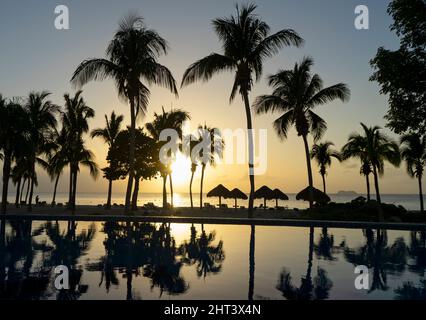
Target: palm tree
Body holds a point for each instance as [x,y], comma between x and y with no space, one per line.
[296,92]
[374,148]
[109,135]
[172,119]
[357,148]
[209,152]
[75,123]
[13,136]
[131,57]
[57,158]
[246,42]
[322,153]
[413,151]
[194,163]
[42,120]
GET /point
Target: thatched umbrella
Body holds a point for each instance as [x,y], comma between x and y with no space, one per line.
[236,194]
[219,191]
[265,193]
[318,195]
[279,195]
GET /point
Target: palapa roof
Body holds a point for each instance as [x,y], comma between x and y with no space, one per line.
[218,191]
[263,192]
[318,195]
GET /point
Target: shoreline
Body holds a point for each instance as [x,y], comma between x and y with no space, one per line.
[284,217]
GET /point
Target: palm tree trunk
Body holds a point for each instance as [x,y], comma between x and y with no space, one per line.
[251,263]
[18,188]
[22,190]
[190,188]
[250,152]
[74,191]
[311,253]
[30,208]
[171,189]
[203,167]
[323,183]
[164,192]
[376,185]
[6,175]
[70,192]
[135,194]
[310,179]
[108,204]
[131,154]
[28,190]
[422,209]
[367,180]
[55,188]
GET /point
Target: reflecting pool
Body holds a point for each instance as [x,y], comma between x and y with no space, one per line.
[134,260]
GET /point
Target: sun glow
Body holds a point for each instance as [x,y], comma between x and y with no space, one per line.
[181,169]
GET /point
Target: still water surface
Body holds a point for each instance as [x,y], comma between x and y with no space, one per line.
[110,260]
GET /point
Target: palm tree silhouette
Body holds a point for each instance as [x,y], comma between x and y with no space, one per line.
[209,152]
[172,119]
[377,254]
[296,93]
[202,251]
[109,134]
[376,148]
[247,42]
[131,57]
[68,247]
[13,137]
[75,123]
[42,120]
[194,163]
[310,289]
[413,151]
[57,158]
[417,252]
[322,153]
[357,148]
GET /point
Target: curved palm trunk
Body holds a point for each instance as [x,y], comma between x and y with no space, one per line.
[6,175]
[30,200]
[190,188]
[27,191]
[131,155]
[250,152]
[422,209]
[18,189]
[367,180]
[22,190]
[54,189]
[251,263]
[378,198]
[164,192]
[171,189]
[311,253]
[308,164]
[135,194]
[203,167]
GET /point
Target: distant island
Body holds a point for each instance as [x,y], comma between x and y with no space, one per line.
[346,193]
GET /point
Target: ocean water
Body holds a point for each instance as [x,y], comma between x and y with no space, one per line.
[408,201]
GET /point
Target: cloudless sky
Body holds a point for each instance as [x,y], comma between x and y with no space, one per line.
[36,56]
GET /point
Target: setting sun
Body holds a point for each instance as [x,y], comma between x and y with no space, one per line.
[181,169]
